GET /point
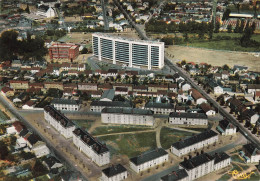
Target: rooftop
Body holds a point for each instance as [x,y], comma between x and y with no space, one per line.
[111,104]
[114,170]
[196,161]
[64,101]
[159,105]
[145,157]
[194,139]
[188,115]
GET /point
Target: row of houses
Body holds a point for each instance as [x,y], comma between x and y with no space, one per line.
[84,141]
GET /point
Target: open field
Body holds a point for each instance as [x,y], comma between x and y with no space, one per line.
[84,123]
[129,144]
[118,129]
[213,57]
[169,136]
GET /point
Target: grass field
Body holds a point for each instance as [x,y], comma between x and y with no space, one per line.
[118,129]
[83,123]
[169,136]
[129,144]
[237,158]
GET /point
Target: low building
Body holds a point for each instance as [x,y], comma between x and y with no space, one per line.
[204,164]
[46,11]
[250,153]
[67,51]
[130,116]
[159,108]
[222,160]
[196,142]
[36,145]
[178,118]
[52,163]
[97,106]
[29,105]
[19,84]
[60,122]
[108,95]
[114,173]
[90,146]
[7,91]
[149,160]
[178,175]
[199,99]
[226,128]
[16,128]
[209,111]
[66,104]
[87,86]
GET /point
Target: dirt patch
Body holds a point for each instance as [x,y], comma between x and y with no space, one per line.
[213,57]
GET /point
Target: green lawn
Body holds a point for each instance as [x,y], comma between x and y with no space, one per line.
[231,45]
[118,129]
[169,136]
[129,144]
[224,177]
[197,129]
[255,176]
[83,123]
[237,158]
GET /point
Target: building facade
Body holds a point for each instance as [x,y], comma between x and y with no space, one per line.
[114,173]
[130,116]
[97,106]
[131,52]
[66,104]
[178,118]
[90,146]
[64,51]
[60,122]
[193,143]
[226,128]
[159,108]
[148,160]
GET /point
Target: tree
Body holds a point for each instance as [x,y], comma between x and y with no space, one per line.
[4,150]
[225,67]
[210,30]
[229,28]
[9,45]
[27,9]
[226,14]
[183,62]
[241,27]
[84,50]
[38,168]
[236,30]
[217,26]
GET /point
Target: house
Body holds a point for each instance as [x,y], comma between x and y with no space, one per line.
[251,88]
[66,104]
[97,106]
[87,86]
[215,87]
[197,96]
[225,75]
[226,128]
[132,116]
[185,86]
[7,91]
[250,153]
[209,111]
[16,128]
[60,122]
[29,105]
[187,119]
[114,173]
[19,84]
[196,142]
[149,160]
[159,108]
[108,95]
[90,146]
[53,85]
[173,87]
[250,115]
[16,63]
[52,163]
[35,143]
[46,11]
[178,175]
[222,160]
[121,91]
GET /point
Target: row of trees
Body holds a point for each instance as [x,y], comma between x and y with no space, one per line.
[29,48]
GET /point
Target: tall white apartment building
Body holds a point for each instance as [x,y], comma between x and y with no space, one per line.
[60,122]
[193,143]
[148,160]
[131,52]
[132,116]
[89,145]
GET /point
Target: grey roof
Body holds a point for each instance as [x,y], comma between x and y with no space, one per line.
[194,139]
[109,94]
[159,105]
[196,161]
[114,170]
[220,157]
[111,104]
[92,142]
[127,111]
[64,101]
[64,121]
[188,115]
[148,156]
[175,175]
[225,124]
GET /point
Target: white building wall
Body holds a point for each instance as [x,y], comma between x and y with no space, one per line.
[222,164]
[68,107]
[187,121]
[118,177]
[255,159]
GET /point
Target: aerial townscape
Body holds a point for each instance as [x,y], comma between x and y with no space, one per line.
[135,90]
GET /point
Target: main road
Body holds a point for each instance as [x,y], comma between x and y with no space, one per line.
[248,135]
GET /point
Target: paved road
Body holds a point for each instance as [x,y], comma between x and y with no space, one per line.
[52,148]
